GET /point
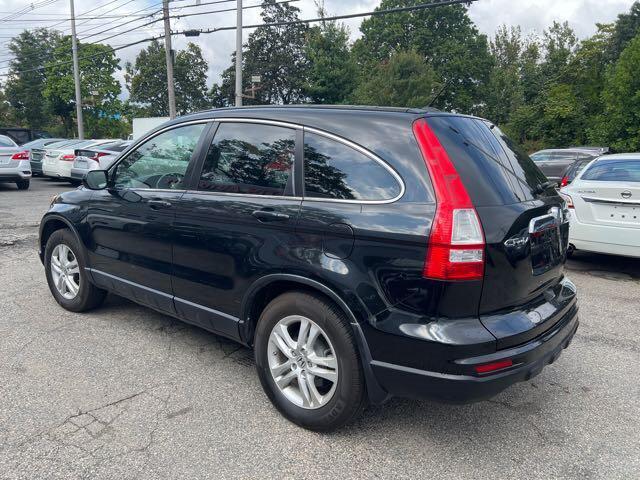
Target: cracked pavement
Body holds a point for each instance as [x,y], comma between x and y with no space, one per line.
[124,392]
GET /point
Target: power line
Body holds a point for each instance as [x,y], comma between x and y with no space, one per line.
[26,10]
[422,6]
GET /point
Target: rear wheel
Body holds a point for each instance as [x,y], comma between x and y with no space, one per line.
[23,184]
[308,363]
[66,275]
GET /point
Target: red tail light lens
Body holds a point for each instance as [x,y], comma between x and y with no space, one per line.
[492,367]
[98,155]
[20,155]
[567,199]
[456,243]
[564,182]
[70,157]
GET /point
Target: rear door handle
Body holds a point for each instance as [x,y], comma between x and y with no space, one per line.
[158,204]
[270,216]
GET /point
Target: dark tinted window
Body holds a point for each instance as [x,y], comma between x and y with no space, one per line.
[613,171]
[251,159]
[494,171]
[335,170]
[576,168]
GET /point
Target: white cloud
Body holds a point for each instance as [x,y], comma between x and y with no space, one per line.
[532,15]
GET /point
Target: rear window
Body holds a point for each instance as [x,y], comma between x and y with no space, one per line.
[6,142]
[620,170]
[495,171]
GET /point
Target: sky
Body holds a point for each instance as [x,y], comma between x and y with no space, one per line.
[533,16]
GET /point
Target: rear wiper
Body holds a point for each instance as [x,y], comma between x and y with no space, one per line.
[541,188]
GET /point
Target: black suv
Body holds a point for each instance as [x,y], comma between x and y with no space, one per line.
[362,252]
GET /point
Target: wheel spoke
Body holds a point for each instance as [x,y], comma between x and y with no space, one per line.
[325,373]
[281,344]
[316,398]
[303,333]
[282,368]
[64,255]
[329,362]
[72,267]
[55,260]
[71,286]
[60,284]
[283,331]
[55,267]
[285,379]
[304,390]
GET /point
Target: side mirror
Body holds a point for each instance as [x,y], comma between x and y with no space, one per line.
[96,180]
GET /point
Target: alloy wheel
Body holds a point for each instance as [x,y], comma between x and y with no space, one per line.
[303,362]
[65,271]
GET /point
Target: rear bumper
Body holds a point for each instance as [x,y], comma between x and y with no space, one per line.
[15,175]
[78,173]
[604,239]
[528,360]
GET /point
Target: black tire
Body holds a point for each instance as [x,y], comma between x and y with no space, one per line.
[23,184]
[89,296]
[349,397]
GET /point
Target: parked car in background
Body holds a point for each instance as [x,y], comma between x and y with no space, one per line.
[362,252]
[604,201]
[22,135]
[96,158]
[41,143]
[554,162]
[38,153]
[59,159]
[14,163]
[572,171]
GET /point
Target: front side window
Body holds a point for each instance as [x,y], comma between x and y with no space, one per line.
[250,158]
[161,162]
[334,170]
[613,171]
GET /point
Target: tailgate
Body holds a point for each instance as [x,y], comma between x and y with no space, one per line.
[525,225]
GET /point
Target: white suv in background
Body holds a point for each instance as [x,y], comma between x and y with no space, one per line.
[14,163]
[604,201]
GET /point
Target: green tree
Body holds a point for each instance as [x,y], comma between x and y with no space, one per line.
[625,29]
[277,54]
[99,88]
[146,80]
[619,126]
[405,80]
[445,37]
[332,73]
[25,85]
[559,43]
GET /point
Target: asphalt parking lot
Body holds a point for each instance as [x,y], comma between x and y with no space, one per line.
[124,392]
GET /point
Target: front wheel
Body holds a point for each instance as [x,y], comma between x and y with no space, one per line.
[66,274]
[23,184]
[308,363]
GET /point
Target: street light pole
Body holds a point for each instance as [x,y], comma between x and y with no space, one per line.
[76,72]
[169,57]
[239,54]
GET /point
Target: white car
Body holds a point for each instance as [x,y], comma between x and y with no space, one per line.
[96,158]
[14,163]
[604,201]
[58,161]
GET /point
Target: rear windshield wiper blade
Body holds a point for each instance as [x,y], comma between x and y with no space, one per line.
[541,188]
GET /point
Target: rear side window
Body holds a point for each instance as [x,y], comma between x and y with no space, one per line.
[613,171]
[250,159]
[334,170]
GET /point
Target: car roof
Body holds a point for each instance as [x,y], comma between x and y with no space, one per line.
[621,156]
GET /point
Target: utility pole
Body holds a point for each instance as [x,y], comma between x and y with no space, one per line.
[76,73]
[239,54]
[169,56]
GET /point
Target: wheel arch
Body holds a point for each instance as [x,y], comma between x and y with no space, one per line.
[270,286]
[50,224]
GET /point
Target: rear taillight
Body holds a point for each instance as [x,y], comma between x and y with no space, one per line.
[98,155]
[564,182]
[567,199]
[70,157]
[20,156]
[456,242]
